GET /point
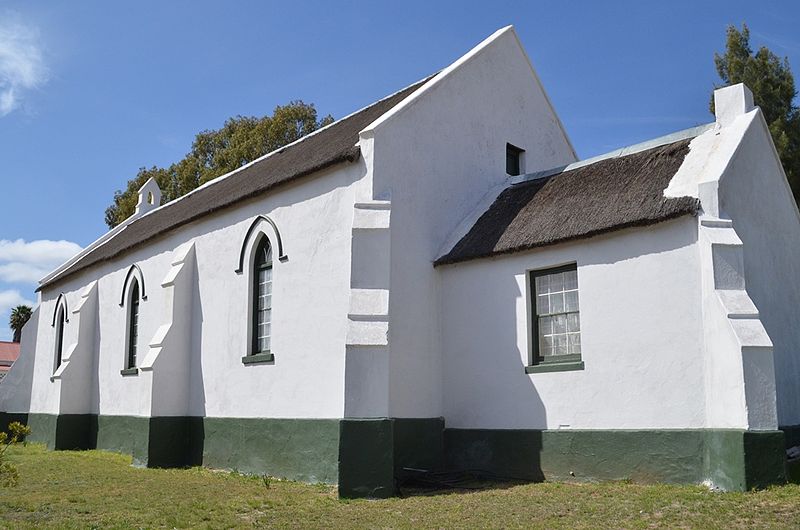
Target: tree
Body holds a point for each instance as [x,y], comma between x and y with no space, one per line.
[240,140]
[772,83]
[19,316]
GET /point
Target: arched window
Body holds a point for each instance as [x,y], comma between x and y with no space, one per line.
[133,325]
[61,317]
[262,298]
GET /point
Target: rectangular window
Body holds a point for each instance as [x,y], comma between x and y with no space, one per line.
[513,160]
[556,326]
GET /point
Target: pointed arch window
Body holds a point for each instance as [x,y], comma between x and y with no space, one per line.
[133,326]
[61,318]
[262,299]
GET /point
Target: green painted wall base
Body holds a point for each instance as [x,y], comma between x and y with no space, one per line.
[367,457]
[375,453]
[298,449]
[791,435]
[730,459]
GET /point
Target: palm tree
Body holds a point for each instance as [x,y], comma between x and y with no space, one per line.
[19,316]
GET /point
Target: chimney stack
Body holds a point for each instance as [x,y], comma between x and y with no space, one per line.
[731,102]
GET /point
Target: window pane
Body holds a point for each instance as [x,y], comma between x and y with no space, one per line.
[574,342]
[545,346]
[542,284]
[263,253]
[571,298]
[560,345]
[557,282]
[543,303]
[571,280]
[546,326]
[560,324]
[573,322]
[557,303]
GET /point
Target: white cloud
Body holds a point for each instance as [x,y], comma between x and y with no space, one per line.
[10,299]
[22,272]
[29,261]
[22,66]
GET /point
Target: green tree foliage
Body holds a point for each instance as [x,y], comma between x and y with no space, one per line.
[772,83]
[9,476]
[19,316]
[240,140]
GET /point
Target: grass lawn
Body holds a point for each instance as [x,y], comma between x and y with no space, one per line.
[98,489]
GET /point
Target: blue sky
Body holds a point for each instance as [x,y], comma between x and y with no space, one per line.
[90,90]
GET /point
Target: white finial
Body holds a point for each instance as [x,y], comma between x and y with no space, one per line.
[731,102]
[149,197]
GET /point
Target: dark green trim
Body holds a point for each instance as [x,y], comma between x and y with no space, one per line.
[511,454]
[297,449]
[129,371]
[791,438]
[43,426]
[375,453]
[124,434]
[554,367]
[418,444]
[731,459]
[173,441]
[791,435]
[76,431]
[258,358]
[366,458]
[764,459]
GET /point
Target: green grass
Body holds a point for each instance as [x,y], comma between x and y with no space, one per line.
[68,489]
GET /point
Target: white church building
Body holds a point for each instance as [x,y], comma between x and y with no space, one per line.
[435,282]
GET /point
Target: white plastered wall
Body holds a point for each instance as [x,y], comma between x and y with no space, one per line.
[641,334]
[310,304]
[747,204]
[435,157]
[754,194]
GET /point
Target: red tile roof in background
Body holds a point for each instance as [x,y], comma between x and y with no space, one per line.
[9,352]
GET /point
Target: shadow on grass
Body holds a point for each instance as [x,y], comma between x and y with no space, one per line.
[427,484]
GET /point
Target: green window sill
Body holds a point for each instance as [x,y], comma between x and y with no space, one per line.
[258,358]
[129,371]
[554,367]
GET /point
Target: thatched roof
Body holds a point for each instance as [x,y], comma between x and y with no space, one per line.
[330,146]
[608,195]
